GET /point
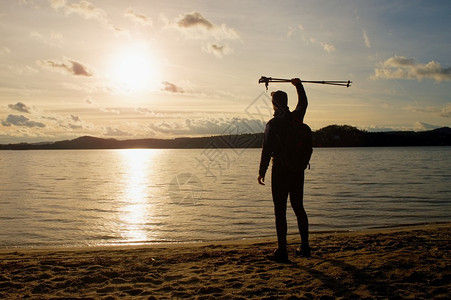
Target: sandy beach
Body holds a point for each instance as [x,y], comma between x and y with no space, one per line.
[398,263]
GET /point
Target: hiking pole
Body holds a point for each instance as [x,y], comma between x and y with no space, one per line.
[267,80]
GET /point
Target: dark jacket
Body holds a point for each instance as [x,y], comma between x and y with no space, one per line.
[275,131]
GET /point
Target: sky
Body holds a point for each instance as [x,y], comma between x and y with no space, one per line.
[165,69]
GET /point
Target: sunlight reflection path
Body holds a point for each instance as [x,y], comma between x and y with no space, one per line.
[136,212]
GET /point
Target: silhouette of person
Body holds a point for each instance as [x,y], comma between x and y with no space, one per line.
[284,182]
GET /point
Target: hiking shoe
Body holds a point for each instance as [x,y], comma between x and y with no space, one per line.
[280,256]
[304,251]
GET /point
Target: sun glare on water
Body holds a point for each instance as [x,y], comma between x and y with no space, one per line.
[134,69]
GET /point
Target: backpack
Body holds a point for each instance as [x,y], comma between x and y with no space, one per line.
[297,147]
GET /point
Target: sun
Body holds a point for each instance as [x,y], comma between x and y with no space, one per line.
[134,69]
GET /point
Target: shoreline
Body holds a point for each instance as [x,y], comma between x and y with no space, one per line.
[292,235]
[406,262]
[218,241]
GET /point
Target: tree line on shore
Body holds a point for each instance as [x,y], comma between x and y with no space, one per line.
[330,136]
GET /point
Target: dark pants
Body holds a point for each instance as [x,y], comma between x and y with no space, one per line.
[283,183]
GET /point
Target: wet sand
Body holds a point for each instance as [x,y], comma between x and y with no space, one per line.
[407,262]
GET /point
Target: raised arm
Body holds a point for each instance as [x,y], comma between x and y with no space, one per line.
[301,107]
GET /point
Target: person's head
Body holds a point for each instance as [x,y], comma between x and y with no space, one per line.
[279,100]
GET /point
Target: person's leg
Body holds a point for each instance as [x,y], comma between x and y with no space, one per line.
[297,203]
[279,196]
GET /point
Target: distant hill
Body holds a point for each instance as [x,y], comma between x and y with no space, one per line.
[330,136]
[89,142]
[348,136]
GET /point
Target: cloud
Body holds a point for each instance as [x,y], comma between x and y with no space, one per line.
[67,66]
[208,126]
[110,110]
[446,111]
[116,132]
[55,39]
[329,48]
[376,128]
[83,8]
[195,26]
[417,126]
[4,50]
[366,39]
[19,106]
[194,19]
[87,88]
[86,10]
[143,110]
[71,125]
[292,30]
[56,4]
[400,67]
[137,18]
[75,118]
[20,120]
[430,109]
[218,50]
[149,112]
[171,88]
[67,122]
[424,126]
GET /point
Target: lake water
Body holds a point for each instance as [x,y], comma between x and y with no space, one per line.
[110,197]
